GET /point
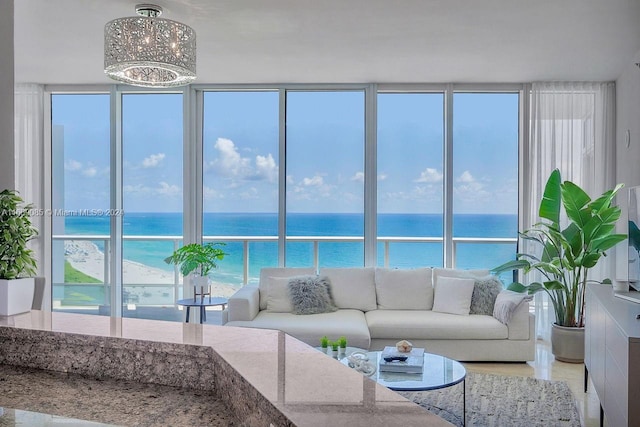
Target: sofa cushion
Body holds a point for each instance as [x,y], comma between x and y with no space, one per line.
[404,289]
[311,295]
[350,323]
[418,324]
[453,296]
[353,288]
[485,291]
[278,300]
[266,273]
[454,272]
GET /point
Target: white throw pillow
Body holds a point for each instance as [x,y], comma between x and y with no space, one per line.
[408,289]
[453,295]
[278,300]
[353,287]
[268,272]
[507,302]
[455,272]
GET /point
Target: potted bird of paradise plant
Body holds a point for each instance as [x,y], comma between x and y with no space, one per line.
[564,256]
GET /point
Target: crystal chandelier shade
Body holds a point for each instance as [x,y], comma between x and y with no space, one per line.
[149,51]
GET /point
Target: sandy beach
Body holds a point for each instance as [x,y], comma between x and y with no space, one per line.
[88,258]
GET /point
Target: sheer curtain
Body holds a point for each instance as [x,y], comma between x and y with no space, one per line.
[572,128]
[29,153]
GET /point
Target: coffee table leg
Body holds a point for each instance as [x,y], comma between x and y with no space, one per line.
[187,321]
[203,316]
[464,402]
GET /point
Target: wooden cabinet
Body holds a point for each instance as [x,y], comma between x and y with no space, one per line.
[612,354]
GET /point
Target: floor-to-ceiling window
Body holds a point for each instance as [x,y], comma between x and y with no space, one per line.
[485,178]
[152,189]
[286,176]
[80,201]
[240,180]
[325,178]
[410,179]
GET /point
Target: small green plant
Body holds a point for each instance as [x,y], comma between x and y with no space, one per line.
[334,345]
[16,259]
[324,342]
[201,259]
[342,341]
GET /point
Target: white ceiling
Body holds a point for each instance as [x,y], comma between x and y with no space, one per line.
[328,41]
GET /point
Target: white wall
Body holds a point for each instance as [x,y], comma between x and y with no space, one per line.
[7,168]
[628,118]
[627,158]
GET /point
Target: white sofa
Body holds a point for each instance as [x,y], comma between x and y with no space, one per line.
[378,307]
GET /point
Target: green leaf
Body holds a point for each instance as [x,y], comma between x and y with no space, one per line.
[535,287]
[511,265]
[590,260]
[604,201]
[551,198]
[553,285]
[517,287]
[574,200]
[607,242]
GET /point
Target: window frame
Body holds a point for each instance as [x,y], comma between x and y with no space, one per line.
[193,168]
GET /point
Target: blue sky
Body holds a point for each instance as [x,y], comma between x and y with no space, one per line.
[325,146]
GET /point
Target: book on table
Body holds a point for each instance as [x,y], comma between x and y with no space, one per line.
[412,365]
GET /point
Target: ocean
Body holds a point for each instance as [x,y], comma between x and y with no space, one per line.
[331,254]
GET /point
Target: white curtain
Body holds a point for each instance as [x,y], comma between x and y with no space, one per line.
[572,128]
[29,153]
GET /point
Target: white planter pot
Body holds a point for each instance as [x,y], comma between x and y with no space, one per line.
[567,344]
[16,296]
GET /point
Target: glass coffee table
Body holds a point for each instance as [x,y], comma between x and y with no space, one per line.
[438,372]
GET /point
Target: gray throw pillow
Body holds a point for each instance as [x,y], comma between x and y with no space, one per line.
[311,295]
[485,292]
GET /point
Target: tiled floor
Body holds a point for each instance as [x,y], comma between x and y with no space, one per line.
[547,368]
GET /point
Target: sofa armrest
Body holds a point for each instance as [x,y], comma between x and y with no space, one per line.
[244,304]
[519,323]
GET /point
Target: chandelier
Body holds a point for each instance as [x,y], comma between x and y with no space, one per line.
[149,51]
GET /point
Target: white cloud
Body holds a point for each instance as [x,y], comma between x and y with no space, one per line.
[72,165]
[163,189]
[315,181]
[229,162]
[168,190]
[359,176]
[136,189]
[266,168]
[469,189]
[466,177]
[211,193]
[90,172]
[382,177]
[430,175]
[251,193]
[153,160]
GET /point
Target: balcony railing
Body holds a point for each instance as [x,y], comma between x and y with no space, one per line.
[246,240]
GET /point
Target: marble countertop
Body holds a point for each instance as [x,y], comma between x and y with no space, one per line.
[305,385]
